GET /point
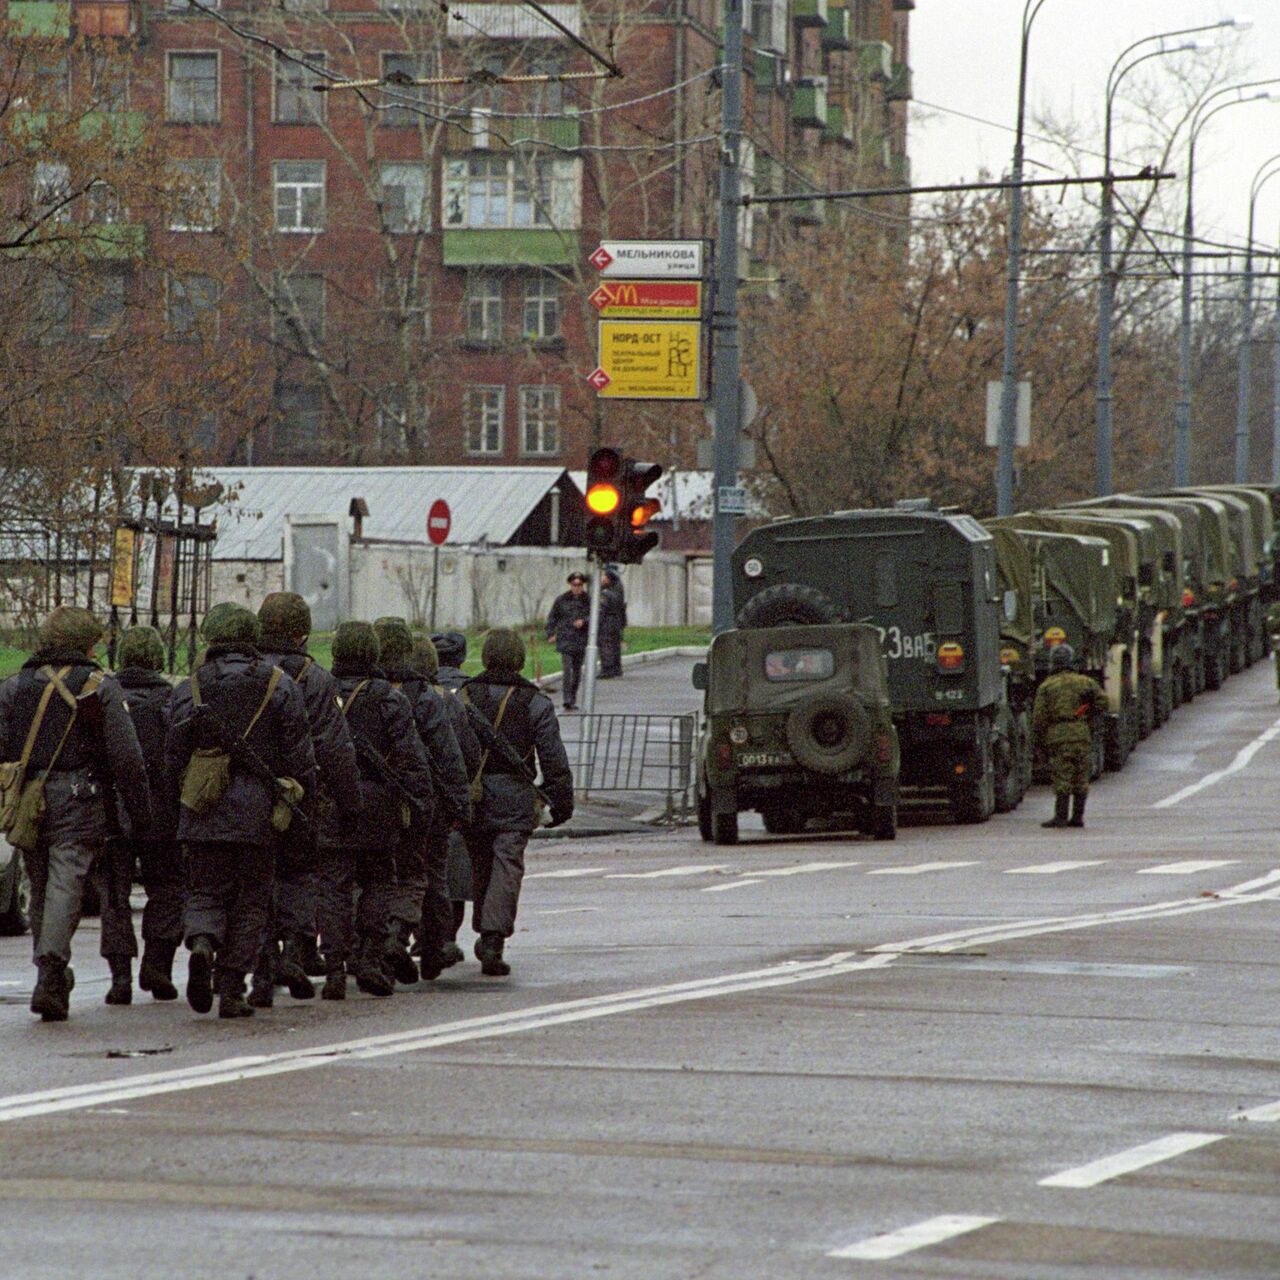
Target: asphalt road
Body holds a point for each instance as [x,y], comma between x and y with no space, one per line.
[980,1052]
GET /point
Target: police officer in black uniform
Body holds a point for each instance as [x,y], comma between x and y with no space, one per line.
[613,621]
[567,629]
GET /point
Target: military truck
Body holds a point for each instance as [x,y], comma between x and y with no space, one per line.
[1262,552]
[798,726]
[927,581]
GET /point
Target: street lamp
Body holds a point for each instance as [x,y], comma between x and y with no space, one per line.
[1245,367]
[1106,293]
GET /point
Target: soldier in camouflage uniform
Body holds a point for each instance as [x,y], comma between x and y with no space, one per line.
[1061,724]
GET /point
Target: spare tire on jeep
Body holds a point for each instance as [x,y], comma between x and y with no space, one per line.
[829,733]
[789,604]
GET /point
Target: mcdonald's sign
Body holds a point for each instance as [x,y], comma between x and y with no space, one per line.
[649,299]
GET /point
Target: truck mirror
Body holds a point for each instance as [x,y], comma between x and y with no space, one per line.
[1010,605]
[699,676]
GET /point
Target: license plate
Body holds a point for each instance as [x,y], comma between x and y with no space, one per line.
[759,759]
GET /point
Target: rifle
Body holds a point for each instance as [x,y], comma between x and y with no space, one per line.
[494,741]
[90,711]
[380,767]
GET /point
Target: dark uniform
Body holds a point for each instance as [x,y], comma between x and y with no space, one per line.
[567,629]
[523,715]
[361,855]
[613,621]
[286,624]
[231,846]
[1061,725]
[83,755]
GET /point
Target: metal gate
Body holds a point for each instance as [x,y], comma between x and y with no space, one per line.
[316,566]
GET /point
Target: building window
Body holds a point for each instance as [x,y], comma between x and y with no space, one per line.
[193,307]
[53,309]
[392,421]
[398,108]
[541,307]
[511,191]
[194,430]
[405,197]
[51,190]
[103,203]
[299,195]
[539,420]
[548,96]
[192,88]
[104,300]
[405,301]
[109,81]
[300,418]
[482,412]
[299,311]
[53,84]
[297,102]
[197,185]
[304,6]
[186,6]
[482,305]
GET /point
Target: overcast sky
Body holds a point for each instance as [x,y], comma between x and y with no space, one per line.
[965,57]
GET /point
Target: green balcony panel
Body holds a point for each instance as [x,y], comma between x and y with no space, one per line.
[899,87]
[809,106]
[115,241]
[42,18]
[809,13]
[875,60]
[900,169]
[565,133]
[768,70]
[126,127]
[837,127]
[836,34]
[502,248]
[808,213]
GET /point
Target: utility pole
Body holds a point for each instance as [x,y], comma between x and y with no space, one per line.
[724,321]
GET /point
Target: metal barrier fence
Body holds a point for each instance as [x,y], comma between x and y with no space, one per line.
[637,754]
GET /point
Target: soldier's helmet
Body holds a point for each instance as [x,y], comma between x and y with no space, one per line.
[141,647]
[503,651]
[1062,657]
[231,624]
[69,629]
[355,646]
[395,641]
[286,615]
[451,648]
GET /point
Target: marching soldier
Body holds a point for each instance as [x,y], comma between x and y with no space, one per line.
[1062,724]
[567,629]
[72,750]
[521,725]
[240,750]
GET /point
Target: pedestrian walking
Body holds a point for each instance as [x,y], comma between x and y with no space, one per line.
[238,742]
[1062,718]
[70,750]
[522,739]
[613,621]
[567,628]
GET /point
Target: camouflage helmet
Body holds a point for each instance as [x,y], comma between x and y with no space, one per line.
[355,644]
[503,651]
[141,647]
[1062,657]
[395,642]
[451,648]
[286,615]
[426,661]
[231,624]
[69,629]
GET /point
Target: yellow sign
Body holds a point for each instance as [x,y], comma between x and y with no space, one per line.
[123,562]
[650,360]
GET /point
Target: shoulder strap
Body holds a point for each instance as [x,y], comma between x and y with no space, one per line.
[33,732]
[355,693]
[56,678]
[497,724]
[195,689]
[276,676]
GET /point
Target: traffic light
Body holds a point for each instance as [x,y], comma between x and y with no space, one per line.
[605,507]
[637,539]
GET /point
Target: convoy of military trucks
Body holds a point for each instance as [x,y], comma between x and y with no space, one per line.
[1162,595]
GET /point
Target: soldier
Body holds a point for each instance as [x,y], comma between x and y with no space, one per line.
[362,854]
[1273,630]
[238,741]
[64,727]
[522,725]
[567,627]
[285,618]
[149,698]
[613,620]
[1061,724]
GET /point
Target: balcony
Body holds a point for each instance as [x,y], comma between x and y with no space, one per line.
[837,33]
[809,104]
[111,18]
[809,13]
[43,19]
[837,128]
[875,60]
[114,241]
[769,70]
[481,132]
[500,247]
[125,127]
[899,87]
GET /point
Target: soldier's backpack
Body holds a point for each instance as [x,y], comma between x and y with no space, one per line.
[208,773]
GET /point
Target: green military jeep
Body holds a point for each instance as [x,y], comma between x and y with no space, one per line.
[798,726]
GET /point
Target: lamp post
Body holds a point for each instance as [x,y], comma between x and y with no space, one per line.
[1275,393]
[1244,388]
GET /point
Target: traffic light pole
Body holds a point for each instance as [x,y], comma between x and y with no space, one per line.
[588,690]
[724,322]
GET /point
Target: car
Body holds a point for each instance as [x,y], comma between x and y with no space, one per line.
[798,726]
[15,891]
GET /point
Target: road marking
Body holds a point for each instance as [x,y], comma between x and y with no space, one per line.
[1267,1114]
[561,1013]
[569,873]
[806,868]
[1243,756]
[1187,868]
[1052,868]
[920,868]
[567,911]
[667,871]
[920,1235]
[1141,1157]
[732,884]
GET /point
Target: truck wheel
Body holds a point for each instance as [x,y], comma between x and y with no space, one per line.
[974,800]
[1215,669]
[884,822]
[1146,707]
[1116,751]
[789,604]
[828,733]
[15,918]
[704,816]
[1098,759]
[783,822]
[724,828]
[1007,794]
[1164,698]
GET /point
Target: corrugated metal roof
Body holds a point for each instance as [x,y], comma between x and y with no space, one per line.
[487,503]
[510,21]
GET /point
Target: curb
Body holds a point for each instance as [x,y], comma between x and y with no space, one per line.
[635,660]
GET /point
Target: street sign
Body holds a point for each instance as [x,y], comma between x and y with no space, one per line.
[650,259]
[732,500]
[649,299]
[599,379]
[439,522]
[994,392]
[650,360]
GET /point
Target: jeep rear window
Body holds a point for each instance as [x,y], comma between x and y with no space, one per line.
[787,665]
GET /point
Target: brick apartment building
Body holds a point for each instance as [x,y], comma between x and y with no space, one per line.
[410,263]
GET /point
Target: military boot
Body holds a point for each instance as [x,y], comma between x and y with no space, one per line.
[262,991]
[121,991]
[155,973]
[395,954]
[292,969]
[370,976]
[1059,818]
[200,974]
[489,953]
[312,961]
[231,1001]
[1077,810]
[451,954]
[335,981]
[50,997]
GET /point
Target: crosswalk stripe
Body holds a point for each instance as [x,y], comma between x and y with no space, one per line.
[1052,868]
[920,1235]
[732,884]
[1130,1161]
[920,868]
[666,871]
[569,873]
[1187,868]
[805,868]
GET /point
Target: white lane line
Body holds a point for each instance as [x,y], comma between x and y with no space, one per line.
[1116,1166]
[920,868]
[732,884]
[1243,756]
[920,1235]
[1188,868]
[667,871]
[1266,1114]
[561,1013]
[1052,868]
[805,869]
[567,911]
[568,873]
